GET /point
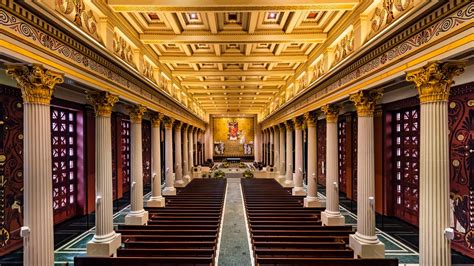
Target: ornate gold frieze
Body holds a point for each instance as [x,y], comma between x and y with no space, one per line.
[434,80]
[387,12]
[103,102]
[148,70]
[35,81]
[136,113]
[123,49]
[331,111]
[78,13]
[364,101]
[344,47]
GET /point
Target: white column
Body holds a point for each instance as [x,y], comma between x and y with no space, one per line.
[276,141]
[178,168]
[190,150]
[105,241]
[289,155]
[137,215]
[298,189]
[201,154]
[364,242]
[156,200]
[36,84]
[169,189]
[186,175]
[433,82]
[312,199]
[195,147]
[332,215]
[270,149]
[282,169]
[264,150]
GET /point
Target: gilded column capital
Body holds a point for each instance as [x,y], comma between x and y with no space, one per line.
[364,101]
[289,125]
[103,102]
[136,113]
[156,119]
[185,126]
[298,122]
[35,81]
[168,122]
[331,111]
[282,127]
[178,124]
[433,81]
[311,118]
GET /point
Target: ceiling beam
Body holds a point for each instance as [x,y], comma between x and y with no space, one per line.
[186,73]
[232,90]
[233,83]
[232,59]
[225,5]
[154,37]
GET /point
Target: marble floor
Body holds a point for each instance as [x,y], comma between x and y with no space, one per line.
[234,243]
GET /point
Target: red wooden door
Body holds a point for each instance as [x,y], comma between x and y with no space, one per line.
[406,147]
[125,154]
[321,150]
[341,153]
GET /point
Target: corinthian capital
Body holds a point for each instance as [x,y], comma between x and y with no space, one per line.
[136,113]
[102,102]
[434,80]
[298,122]
[364,101]
[311,118]
[331,111]
[35,81]
[156,118]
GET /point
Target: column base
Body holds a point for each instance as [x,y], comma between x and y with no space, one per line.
[366,250]
[158,202]
[187,179]
[288,183]
[169,191]
[136,219]
[313,202]
[331,219]
[104,249]
[298,191]
[179,183]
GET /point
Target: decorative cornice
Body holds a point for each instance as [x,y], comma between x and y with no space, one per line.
[136,113]
[364,101]
[103,102]
[434,80]
[36,82]
[331,111]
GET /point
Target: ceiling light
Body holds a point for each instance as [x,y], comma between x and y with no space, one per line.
[272,15]
[193,16]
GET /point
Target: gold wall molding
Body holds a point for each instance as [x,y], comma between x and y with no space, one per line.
[426,32]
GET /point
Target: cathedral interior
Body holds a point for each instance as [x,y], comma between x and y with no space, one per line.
[225,132]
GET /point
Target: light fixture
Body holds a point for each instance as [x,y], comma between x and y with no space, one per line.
[193,16]
[272,15]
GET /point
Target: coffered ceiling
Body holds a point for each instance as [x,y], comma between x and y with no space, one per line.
[233,56]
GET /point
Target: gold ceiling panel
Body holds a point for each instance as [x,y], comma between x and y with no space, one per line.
[235,54]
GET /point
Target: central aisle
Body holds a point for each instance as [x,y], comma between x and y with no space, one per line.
[234,248]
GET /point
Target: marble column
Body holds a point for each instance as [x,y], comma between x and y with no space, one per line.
[312,199]
[365,242]
[433,82]
[186,175]
[156,200]
[190,150]
[201,153]
[289,154]
[271,147]
[105,241]
[37,84]
[195,145]
[332,215]
[178,168]
[298,189]
[264,150]
[276,141]
[137,215]
[169,189]
[282,176]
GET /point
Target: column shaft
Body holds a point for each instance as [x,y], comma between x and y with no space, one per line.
[312,199]
[270,150]
[178,170]
[276,141]
[298,179]
[289,157]
[282,154]
[186,176]
[156,200]
[169,181]
[38,185]
[190,151]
